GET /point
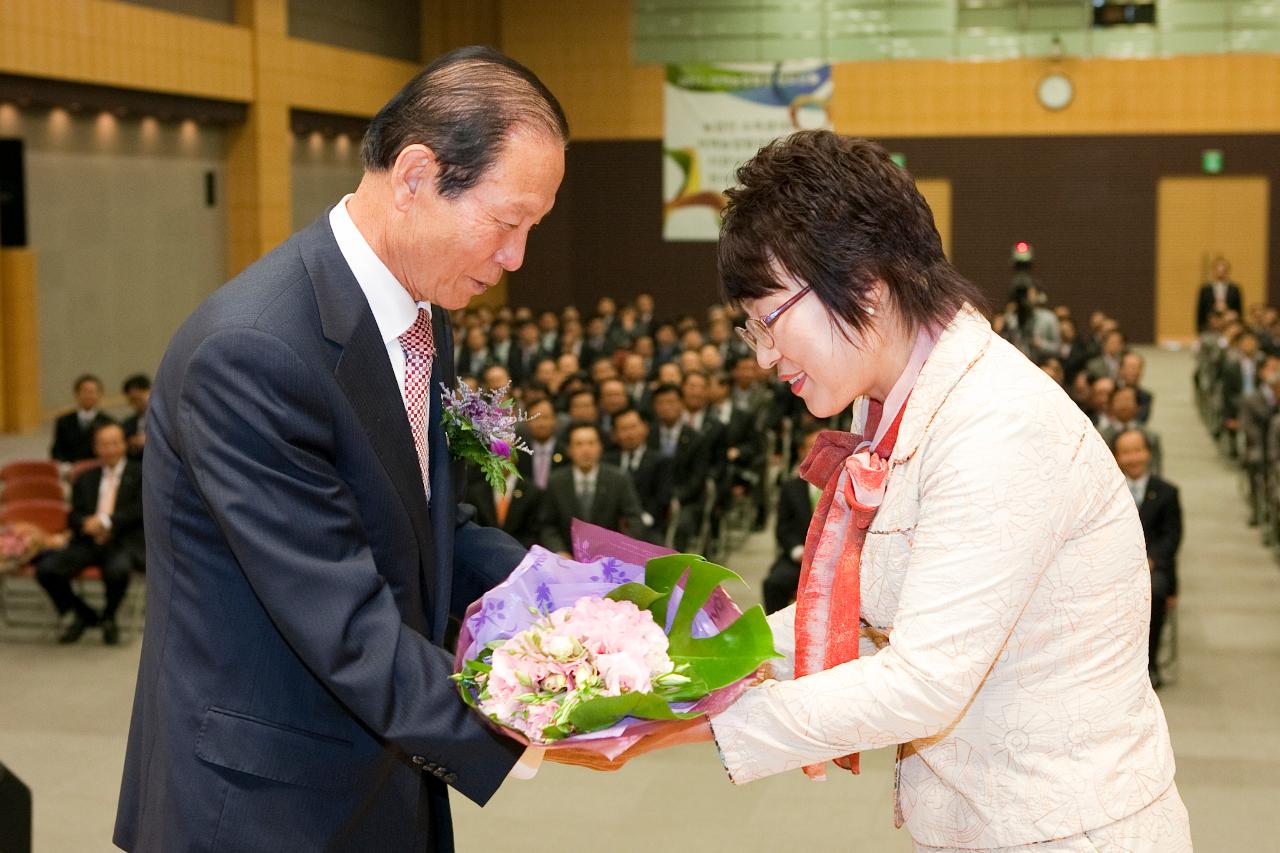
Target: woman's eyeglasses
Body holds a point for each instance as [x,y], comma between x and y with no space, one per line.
[757,330]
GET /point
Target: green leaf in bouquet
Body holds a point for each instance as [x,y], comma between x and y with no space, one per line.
[637,593]
[601,712]
[711,662]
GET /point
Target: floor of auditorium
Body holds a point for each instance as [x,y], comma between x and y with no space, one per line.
[64,713]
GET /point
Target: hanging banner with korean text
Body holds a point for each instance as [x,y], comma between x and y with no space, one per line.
[717,117]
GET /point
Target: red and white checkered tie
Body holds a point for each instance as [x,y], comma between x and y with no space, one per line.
[419,350]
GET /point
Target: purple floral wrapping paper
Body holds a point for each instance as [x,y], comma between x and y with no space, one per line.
[545,581]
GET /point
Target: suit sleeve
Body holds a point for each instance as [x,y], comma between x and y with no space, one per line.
[1167,537]
[629,505]
[549,520]
[258,438]
[84,500]
[482,559]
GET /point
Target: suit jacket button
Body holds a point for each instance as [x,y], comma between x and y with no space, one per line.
[450,778]
[419,760]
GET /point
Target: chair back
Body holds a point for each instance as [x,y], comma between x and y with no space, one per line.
[29,469]
[32,488]
[49,516]
[80,467]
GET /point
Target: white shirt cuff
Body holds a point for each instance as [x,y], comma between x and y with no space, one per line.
[527,767]
[105,520]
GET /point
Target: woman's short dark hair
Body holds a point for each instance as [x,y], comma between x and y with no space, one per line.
[837,214]
[462,106]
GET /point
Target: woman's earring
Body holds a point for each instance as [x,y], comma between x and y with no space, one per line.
[871,312]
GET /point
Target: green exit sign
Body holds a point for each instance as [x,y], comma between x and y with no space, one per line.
[899,158]
[1211,161]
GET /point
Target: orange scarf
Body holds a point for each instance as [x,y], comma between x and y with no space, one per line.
[828,603]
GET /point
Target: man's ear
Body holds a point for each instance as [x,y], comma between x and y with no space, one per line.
[414,170]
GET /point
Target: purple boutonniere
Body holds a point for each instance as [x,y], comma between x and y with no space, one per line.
[481,428]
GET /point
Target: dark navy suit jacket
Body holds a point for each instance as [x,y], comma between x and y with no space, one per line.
[292,693]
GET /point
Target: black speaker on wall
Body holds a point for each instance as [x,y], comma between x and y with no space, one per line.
[15,813]
[13,196]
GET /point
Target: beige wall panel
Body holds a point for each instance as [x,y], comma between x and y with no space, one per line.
[335,80]
[21,357]
[1196,220]
[1185,94]
[324,170]
[937,192]
[582,50]
[121,44]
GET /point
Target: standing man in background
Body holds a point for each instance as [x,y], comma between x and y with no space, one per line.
[308,546]
[1219,294]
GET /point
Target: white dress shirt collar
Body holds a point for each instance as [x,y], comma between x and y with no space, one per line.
[394,310]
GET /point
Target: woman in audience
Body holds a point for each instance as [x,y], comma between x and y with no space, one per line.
[976,526]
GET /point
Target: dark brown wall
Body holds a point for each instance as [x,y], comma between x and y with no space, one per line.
[1087,204]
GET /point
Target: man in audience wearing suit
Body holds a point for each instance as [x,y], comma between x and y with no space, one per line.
[137,390]
[1161,516]
[105,530]
[525,353]
[1130,376]
[547,452]
[651,473]
[1256,412]
[636,377]
[596,493]
[73,432]
[1218,295]
[1122,415]
[514,508]
[1239,376]
[690,463]
[796,500]
[1107,363]
[307,544]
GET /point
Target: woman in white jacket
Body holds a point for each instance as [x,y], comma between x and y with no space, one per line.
[990,548]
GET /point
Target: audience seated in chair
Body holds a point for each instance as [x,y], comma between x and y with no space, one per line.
[598,494]
[796,500]
[105,530]
[651,473]
[1161,516]
[73,432]
[137,390]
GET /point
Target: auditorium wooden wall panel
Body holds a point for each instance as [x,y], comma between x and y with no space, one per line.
[125,45]
[582,50]
[1229,93]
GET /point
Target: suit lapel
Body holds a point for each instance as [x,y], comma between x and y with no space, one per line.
[363,371]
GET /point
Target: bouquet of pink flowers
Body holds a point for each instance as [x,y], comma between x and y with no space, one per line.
[600,653]
[19,543]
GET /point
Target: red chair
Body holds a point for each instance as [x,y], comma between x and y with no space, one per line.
[49,516]
[80,467]
[28,469]
[32,488]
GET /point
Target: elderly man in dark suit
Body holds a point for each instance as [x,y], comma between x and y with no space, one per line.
[1161,516]
[105,530]
[73,432]
[596,493]
[306,544]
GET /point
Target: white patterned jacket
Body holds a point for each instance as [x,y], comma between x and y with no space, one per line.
[1008,558]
